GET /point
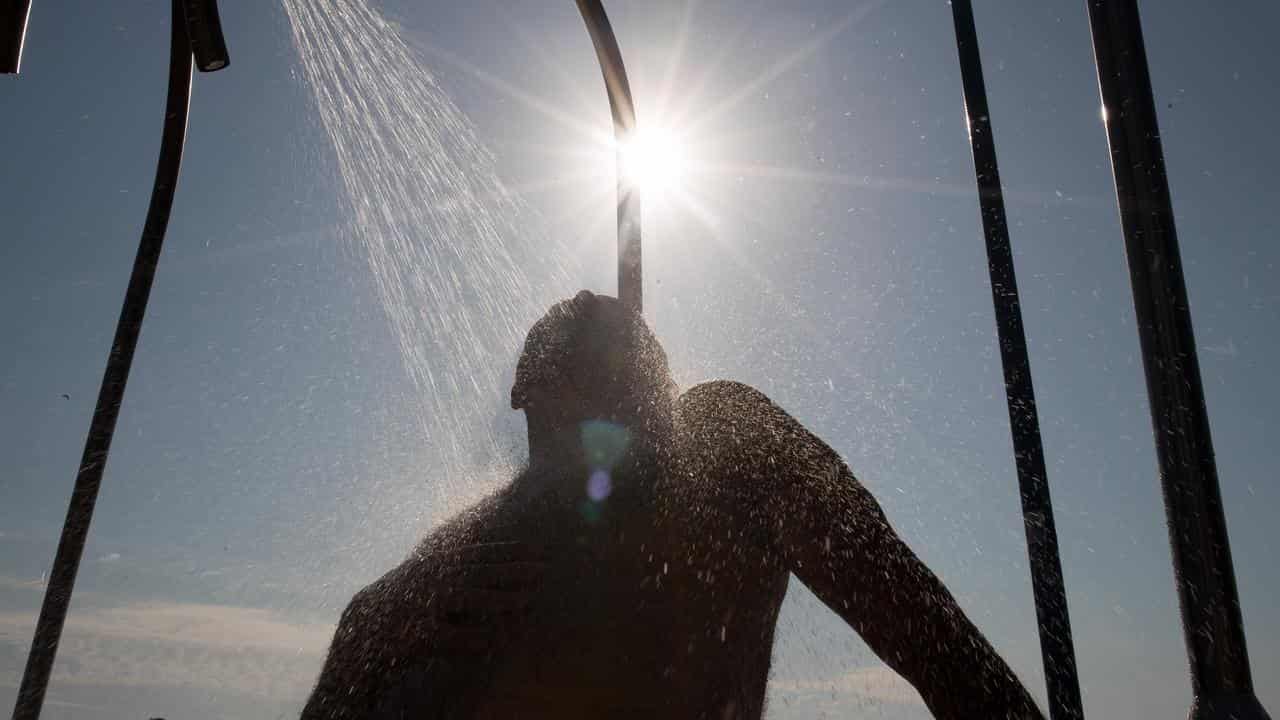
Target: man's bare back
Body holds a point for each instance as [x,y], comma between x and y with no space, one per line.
[644,579]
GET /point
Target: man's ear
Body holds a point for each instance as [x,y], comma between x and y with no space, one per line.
[520,390]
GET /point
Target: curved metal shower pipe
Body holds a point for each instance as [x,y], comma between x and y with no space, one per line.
[623,110]
[204,32]
[195,29]
[13,30]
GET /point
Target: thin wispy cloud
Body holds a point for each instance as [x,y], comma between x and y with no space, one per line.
[35,584]
[252,651]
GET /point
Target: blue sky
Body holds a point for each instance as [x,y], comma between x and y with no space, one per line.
[269,458]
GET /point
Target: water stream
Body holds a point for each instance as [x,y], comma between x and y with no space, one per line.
[459,277]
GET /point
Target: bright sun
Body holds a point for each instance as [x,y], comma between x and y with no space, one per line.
[655,160]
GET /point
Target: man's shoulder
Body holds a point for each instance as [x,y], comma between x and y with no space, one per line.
[421,570]
[723,390]
[728,428]
[721,397]
[720,406]
[481,524]
[724,429]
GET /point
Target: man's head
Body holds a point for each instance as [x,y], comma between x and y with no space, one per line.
[590,358]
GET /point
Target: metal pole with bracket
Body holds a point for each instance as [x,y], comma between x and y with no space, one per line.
[199,16]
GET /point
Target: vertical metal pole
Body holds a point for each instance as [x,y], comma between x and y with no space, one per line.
[62,578]
[1220,678]
[624,124]
[1047,585]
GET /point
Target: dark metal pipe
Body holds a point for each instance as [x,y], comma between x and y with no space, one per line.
[1220,677]
[13,32]
[1047,585]
[62,578]
[204,32]
[623,109]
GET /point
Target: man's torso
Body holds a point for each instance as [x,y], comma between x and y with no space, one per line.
[640,608]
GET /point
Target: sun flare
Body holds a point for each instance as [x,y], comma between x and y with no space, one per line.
[654,160]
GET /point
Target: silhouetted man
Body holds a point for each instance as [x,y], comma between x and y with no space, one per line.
[636,567]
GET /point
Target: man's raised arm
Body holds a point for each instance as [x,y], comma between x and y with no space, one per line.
[833,536]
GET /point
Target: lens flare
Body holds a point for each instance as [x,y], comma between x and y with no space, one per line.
[599,485]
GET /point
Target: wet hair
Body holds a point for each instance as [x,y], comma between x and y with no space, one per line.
[601,348]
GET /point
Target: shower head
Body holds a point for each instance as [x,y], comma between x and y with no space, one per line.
[204,30]
[13,29]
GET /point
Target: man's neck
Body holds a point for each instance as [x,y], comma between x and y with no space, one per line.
[555,448]
[560,465]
